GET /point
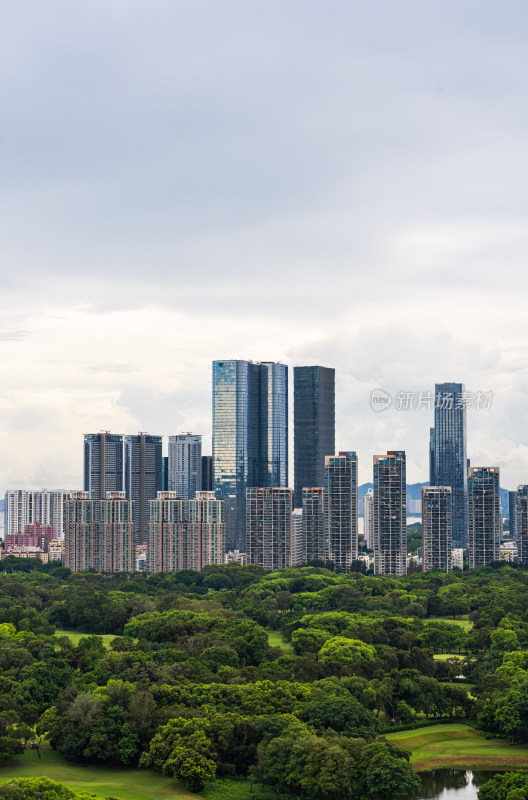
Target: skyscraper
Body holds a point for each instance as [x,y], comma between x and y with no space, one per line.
[340,495]
[250,435]
[143,476]
[99,534]
[368,519]
[298,541]
[437,528]
[207,473]
[512,514]
[103,464]
[484,515]
[313,425]
[269,527]
[448,453]
[313,524]
[185,465]
[521,516]
[390,507]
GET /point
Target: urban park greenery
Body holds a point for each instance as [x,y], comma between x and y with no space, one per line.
[292,680]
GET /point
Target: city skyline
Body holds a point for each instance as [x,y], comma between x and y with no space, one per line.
[285,184]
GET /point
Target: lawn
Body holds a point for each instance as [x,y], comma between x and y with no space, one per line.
[448,656]
[457,745]
[123,784]
[275,640]
[75,636]
[463,621]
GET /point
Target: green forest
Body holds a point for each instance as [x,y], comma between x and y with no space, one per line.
[297,683]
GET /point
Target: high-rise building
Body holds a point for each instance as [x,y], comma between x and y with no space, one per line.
[165,474]
[313,524]
[512,514]
[103,464]
[250,435]
[185,465]
[484,515]
[23,507]
[368,519]
[207,473]
[269,526]
[298,542]
[313,425]
[437,532]
[185,534]
[521,517]
[99,533]
[390,521]
[341,512]
[143,476]
[448,453]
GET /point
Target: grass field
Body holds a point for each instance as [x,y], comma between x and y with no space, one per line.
[275,640]
[458,745]
[123,784]
[447,656]
[463,621]
[75,636]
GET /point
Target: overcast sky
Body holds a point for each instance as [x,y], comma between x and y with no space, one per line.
[330,181]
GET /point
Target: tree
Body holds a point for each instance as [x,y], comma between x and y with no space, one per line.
[340,652]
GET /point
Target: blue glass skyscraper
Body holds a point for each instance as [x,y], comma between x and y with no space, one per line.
[448,453]
[313,425]
[250,435]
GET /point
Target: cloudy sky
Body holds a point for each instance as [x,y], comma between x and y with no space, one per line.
[314,181]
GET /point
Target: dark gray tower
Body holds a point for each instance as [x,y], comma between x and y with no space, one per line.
[143,477]
[448,453]
[313,425]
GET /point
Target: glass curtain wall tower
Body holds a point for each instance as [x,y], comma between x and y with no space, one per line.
[448,453]
[250,436]
[313,425]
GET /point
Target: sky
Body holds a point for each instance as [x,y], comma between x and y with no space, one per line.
[308,181]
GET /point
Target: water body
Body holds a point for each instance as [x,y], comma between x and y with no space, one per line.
[451,784]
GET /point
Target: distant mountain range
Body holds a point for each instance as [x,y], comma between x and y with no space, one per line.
[414,492]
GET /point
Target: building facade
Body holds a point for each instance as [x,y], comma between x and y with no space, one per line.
[24,508]
[437,531]
[313,522]
[448,453]
[207,474]
[390,522]
[341,511]
[298,542]
[269,526]
[521,514]
[313,425]
[250,436]
[484,515]
[100,534]
[103,464]
[185,465]
[368,519]
[512,514]
[185,534]
[143,477]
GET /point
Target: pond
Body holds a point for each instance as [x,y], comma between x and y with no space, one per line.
[451,784]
